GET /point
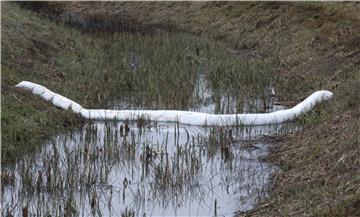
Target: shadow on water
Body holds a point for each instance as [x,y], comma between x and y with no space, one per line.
[145,168]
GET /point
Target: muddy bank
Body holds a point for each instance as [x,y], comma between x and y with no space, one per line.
[89,21]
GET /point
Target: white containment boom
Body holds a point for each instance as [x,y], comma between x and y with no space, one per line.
[182,117]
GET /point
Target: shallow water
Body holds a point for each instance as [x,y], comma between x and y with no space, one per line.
[144,168]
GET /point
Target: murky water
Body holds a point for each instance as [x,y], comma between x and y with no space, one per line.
[147,169]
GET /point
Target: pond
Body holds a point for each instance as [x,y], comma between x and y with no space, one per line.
[146,168]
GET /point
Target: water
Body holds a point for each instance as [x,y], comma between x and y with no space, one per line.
[147,169]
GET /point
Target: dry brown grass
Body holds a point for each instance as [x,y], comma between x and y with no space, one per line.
[320,175]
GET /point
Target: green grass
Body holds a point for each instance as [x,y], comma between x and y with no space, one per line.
[94,69]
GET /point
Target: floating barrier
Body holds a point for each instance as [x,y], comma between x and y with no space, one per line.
[182,117]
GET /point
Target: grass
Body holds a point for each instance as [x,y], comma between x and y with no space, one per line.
[145,71]
[26,55]
[315,45]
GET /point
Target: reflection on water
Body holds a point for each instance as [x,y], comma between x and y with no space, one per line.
[148,169]
[161,169]
[143,168]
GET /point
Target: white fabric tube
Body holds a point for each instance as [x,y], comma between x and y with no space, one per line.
[182,117]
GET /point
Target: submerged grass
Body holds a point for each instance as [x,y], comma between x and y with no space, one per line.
[99,170]
[155,72]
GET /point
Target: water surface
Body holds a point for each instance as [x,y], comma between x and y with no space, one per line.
[146,168]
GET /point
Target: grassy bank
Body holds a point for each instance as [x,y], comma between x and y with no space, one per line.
[29,48]
[141,70]
[316,46]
